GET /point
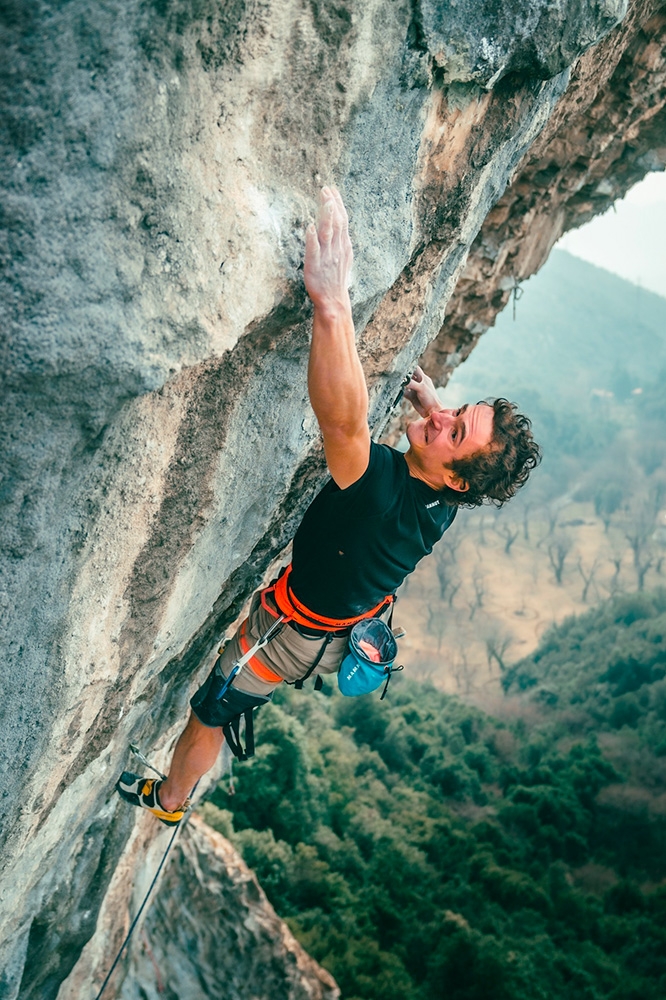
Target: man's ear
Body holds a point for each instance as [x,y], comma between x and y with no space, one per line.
[454,481]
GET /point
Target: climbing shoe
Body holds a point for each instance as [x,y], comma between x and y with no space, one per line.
[143,792]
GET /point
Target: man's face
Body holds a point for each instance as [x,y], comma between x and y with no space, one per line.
[447,435]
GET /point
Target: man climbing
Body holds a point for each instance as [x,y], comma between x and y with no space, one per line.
[372,522]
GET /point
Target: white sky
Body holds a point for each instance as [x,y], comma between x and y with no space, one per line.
[630,238]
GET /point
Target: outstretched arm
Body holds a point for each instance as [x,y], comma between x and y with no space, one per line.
[336,382]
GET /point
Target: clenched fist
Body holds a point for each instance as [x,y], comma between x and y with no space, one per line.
[421,393]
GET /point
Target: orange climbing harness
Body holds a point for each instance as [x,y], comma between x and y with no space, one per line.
[292,610]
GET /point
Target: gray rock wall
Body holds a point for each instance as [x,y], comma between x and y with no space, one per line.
[160,162]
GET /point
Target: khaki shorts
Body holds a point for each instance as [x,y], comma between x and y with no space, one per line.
[290,655]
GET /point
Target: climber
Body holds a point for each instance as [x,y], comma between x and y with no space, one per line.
[377,516]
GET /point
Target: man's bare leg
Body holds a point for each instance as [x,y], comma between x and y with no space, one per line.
[196,752]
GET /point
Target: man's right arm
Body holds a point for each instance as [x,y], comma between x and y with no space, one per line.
[336,382]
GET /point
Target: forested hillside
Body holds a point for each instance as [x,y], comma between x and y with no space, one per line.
[422,849]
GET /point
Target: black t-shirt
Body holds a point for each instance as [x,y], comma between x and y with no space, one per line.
[357,545]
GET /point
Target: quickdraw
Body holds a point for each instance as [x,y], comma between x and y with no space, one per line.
[249,655]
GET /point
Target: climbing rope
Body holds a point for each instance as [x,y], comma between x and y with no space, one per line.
[141,909]
[137,753]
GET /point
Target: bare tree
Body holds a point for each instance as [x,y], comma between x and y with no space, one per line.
[498,642]
[464,676]
[479,585]
[639,535]
[526,520]
[446,557]
[436,623]
[536,565]
[616,559]
[481,520]
[509,533]
[558,550]
[453,590]
[607,500]
[443,568]
[588,576]
[642,560]
[553,514]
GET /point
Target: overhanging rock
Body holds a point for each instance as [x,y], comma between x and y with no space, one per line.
[608,131]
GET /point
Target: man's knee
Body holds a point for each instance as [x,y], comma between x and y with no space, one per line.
[214,707]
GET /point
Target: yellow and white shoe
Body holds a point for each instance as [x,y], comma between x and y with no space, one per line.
[143,792]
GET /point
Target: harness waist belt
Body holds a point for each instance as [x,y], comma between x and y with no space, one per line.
[294,610]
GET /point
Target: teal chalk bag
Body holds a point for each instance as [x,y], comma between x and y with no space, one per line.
[370,656]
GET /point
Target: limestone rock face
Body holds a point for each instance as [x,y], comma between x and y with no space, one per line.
[212,933]
[160,162]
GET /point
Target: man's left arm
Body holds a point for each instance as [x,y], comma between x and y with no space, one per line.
[421,393]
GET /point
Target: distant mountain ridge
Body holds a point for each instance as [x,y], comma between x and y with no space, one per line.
[614,329]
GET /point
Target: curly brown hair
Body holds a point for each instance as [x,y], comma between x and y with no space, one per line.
[496,473]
